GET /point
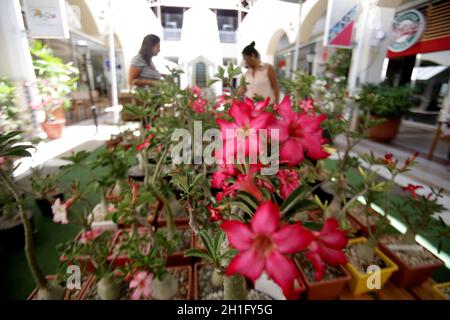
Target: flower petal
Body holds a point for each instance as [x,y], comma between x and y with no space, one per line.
[239,234]
[266,218]
[332,256]
[317,263]
[335,239]
[292,238]
[241,113]
[281,269]
[285,108]
[291,152]
[137,293]
[248,263]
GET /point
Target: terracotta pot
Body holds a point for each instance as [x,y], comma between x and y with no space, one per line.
[79,294]
[325,289]
[386,131]
[53,129]
[408,276]
[59,113]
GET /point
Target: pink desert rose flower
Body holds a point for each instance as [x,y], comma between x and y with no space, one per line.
[214,214]
[142,285]
[289,181]
[222,179]
[410,160]
[199,105]
[196,90]
[389,159]
[242,135]
[263,245]
[326,247]
[411,188]
[59,210]
[146,143]
[90,235]
[134,192]
[307,105]
[300,134]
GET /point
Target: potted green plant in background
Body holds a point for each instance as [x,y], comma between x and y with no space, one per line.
[55,81]
[387,104]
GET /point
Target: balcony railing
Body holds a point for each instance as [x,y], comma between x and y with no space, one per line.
[172,34]
[227,36]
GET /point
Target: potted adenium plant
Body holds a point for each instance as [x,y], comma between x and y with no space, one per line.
[387,104]
[55,81]
[416,264]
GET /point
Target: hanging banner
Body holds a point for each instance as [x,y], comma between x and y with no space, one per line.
[47,19]
[339,23]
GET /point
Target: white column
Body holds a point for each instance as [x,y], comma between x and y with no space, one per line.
[297,39]
[374,26]
[15,58]
[112,65]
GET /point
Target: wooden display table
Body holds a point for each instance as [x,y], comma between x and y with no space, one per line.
[391,292]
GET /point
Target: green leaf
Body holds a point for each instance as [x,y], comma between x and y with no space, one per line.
[243,206]
[18,151]
[207,242]
[297,195]
[302,205]
[248,199]
[218,240]
[211,82]
[197,253]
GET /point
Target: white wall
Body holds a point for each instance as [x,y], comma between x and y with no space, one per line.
[264,19]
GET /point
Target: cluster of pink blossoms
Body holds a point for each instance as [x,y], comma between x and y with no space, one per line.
[265,242]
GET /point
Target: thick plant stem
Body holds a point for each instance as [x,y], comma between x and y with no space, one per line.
[234,287]
[171,228]
[36,271]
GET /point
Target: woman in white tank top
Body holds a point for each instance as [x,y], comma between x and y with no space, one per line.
[260,78]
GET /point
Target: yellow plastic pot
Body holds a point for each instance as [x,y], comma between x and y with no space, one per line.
[437,293]
[358,281]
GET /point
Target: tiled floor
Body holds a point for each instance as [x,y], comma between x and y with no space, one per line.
[80,136]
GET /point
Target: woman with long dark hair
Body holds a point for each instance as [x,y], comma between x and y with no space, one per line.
[261,79]
[142,70]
